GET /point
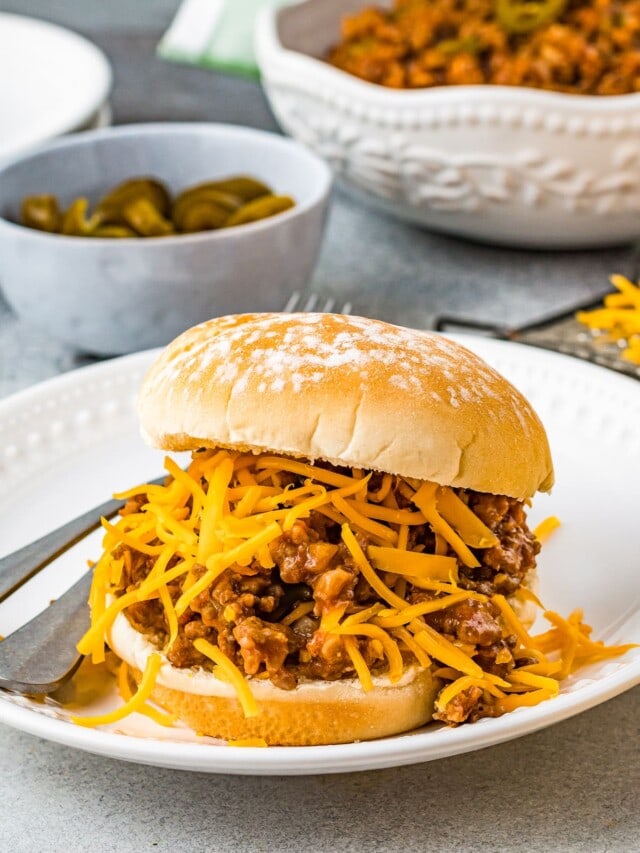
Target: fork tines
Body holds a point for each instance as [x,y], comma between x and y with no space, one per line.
[315,302]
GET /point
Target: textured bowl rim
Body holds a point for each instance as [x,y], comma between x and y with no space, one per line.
[152,129]
[269,48]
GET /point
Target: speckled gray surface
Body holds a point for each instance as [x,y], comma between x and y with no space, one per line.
[573,787]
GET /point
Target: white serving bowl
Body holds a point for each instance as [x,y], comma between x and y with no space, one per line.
[506,165]
[111,296]
[52,81]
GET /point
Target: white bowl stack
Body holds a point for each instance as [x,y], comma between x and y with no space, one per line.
[52,82]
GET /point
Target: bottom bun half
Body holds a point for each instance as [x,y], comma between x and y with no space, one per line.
[314,713]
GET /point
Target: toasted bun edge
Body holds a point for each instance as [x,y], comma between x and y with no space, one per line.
[314,713]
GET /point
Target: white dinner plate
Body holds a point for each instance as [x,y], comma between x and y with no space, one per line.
[52,81]
[66,444]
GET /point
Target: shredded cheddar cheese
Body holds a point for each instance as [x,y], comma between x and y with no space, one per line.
[228,511]
[530,679]
[124,688]
[428,566]
[441,649]
[522,700]
[523,593]
[365,567]
[425,499]
[571,638]
[171,615]
[135,703]
[216,564]
[418,652]
[544,530]
[331,618]
[233,674]
[619,320]
[409,613]
[463,683]
[96,632]
[298,612]
[512,621]
[380,531]
[391,650]
[466,523]
[359,663]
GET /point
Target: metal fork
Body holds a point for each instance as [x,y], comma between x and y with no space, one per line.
[315,302]
[560,333]
[41,655]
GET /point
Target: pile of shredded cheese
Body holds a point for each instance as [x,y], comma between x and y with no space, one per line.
[226,509]
[619,320]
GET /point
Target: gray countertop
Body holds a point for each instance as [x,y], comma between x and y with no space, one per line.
[571,787]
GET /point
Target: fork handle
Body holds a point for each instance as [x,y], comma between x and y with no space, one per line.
[40,656]
[17,568]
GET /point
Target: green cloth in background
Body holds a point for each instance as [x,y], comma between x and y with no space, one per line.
[215,34]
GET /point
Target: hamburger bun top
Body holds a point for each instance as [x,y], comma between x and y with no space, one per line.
[350,391]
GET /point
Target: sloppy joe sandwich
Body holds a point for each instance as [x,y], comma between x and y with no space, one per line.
[346,555]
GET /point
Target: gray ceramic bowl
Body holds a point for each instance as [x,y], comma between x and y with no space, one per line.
[113,296]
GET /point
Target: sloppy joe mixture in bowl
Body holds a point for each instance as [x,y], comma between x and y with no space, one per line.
[582,47]
[505,121]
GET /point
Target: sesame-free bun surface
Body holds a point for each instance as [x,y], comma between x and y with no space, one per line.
[348,390]
[315,712]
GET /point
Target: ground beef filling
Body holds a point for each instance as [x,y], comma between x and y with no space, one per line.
[584,47]
[244,609]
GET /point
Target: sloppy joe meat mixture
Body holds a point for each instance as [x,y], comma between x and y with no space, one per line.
[250,611]
[582,47]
